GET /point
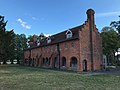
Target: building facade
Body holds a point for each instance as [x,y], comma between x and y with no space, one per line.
[79,48]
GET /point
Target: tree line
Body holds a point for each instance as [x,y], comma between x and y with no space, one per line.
[12,45]
[111,42]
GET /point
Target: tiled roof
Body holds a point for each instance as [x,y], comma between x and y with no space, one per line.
[60,37]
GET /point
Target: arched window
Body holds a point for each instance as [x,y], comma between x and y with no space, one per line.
[55,62]
[33,62]
[47,61]
[69,34]
[37,60]
[85,65]
[43,61]
[30,61]
[63,61]
[73,62]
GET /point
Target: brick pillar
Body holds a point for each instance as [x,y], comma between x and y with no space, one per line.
[34,40]
[90,18]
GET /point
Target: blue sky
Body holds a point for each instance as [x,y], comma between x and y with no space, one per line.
[53,16]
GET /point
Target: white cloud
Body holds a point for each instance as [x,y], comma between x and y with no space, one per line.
[117,13]
[24,24]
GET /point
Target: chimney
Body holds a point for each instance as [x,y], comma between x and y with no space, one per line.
[34,40]
[90,18]
[90,15]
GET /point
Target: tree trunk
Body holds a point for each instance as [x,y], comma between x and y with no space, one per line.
[11,61]
[18,61]
[4,62]
[108,61]
[0,61]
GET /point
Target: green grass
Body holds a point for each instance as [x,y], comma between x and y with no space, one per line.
[14,77]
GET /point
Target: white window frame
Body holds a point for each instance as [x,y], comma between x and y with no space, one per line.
[69,34]
[38,42]
[48,40]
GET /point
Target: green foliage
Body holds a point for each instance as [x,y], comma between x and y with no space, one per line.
[30,38]
[11,44]
[116,25]
[6,41]
[110,42]
[20,44]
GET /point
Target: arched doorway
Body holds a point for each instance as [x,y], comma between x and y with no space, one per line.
[73,63]
[84,65]
[40,61]
[33,62]
[47,61]
[37,61]
[43,62]
[63,61]
[30,61]
[25,61]
[55,62]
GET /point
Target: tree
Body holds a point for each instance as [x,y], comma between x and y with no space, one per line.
[6,40]
[116,25]
[1,35]
[20,45]
[9,46]
[110,42]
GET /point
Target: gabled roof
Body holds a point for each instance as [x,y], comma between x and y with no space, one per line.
[60,37]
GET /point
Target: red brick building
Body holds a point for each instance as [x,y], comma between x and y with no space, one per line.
[79,48]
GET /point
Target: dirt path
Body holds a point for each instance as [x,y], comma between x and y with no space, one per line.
[110,71]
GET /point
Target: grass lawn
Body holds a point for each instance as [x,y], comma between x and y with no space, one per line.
[14,77]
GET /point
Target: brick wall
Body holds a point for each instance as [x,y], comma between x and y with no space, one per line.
[77,53]
[85,44]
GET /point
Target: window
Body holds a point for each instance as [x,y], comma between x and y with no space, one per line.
[63,61]
[68,34]
[38,42]
[43,61]
[73,62]
[47,61]
[48,40]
